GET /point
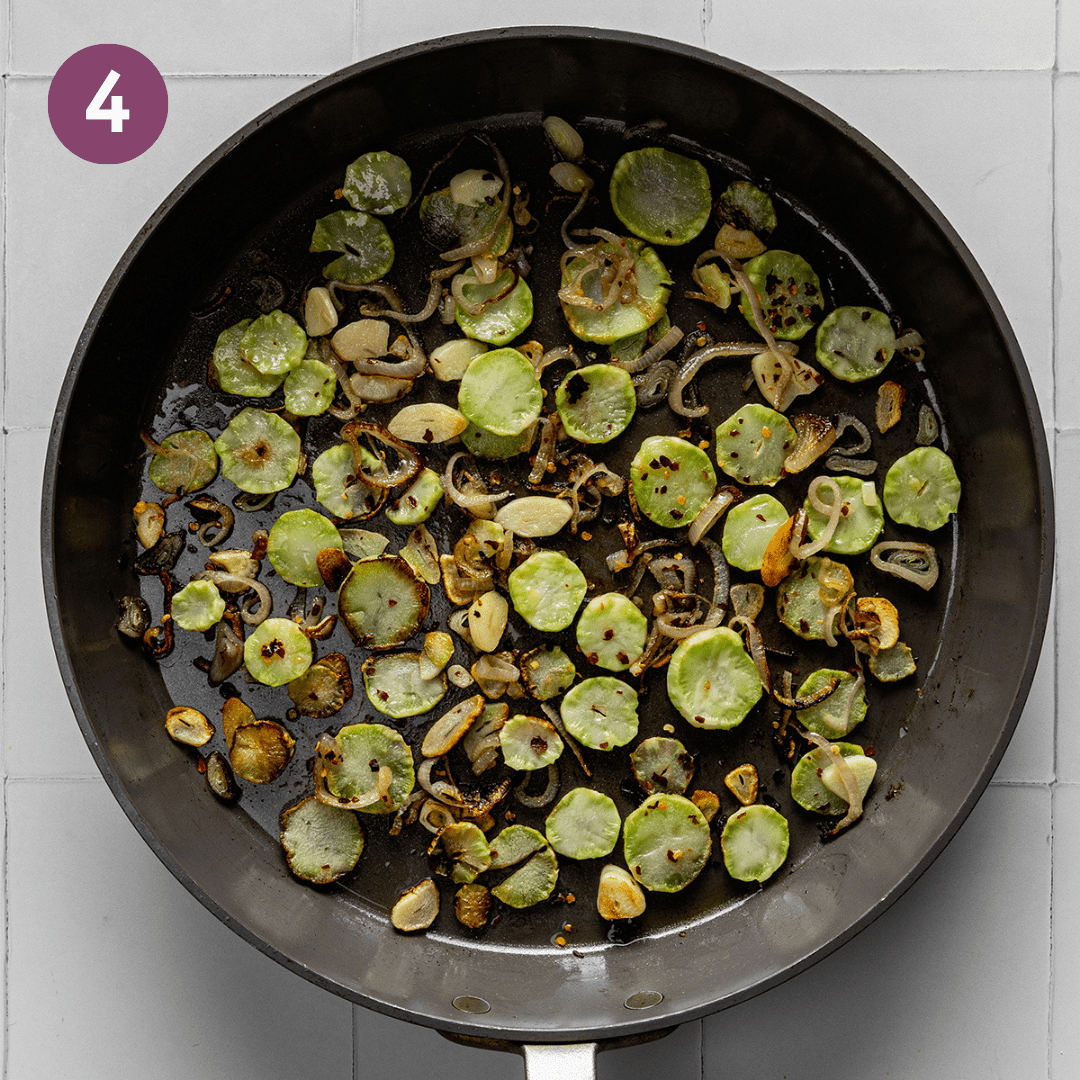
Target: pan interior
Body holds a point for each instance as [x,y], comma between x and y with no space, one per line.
[241,227]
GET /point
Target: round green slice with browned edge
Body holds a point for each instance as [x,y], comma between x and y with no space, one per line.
[666,842]
[841,711]
[661,196]
[382,602]
[596,402]
[500,392]
[619,320]
[711,679]
[671,480]
[322,843]
[922,488]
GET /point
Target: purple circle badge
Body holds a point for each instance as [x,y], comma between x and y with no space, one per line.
[108,104]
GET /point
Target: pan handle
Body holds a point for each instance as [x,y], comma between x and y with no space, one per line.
[572,1061]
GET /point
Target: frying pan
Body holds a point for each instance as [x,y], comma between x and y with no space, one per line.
[234,220]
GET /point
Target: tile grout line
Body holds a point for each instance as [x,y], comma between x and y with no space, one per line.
[1055,72]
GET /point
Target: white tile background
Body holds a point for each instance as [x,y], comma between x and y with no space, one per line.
[120,974]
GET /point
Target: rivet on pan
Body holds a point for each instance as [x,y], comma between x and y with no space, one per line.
[471,1004]
[644,999]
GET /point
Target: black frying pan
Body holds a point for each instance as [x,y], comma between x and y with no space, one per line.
[237,218]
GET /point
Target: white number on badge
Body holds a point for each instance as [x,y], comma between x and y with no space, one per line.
[115,113]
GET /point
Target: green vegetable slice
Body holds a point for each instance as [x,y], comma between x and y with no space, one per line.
[596,402]
[322,843]
[922,488]
[601,712]
[547,672]
[324,688]
[452,224]
[886,665]
[367,247]
[351,772]
[529,743]
[711,679]
[184,459]
[619,320]
[661,196]
[514,845]
[805,598]
[273,343]
[840,712]
[378,182]
[500,392]
[808,787]
[382,602]
[671,480]
[487,444]
[755,842]
[745,206]
[748,528]
[396,686]
[460,852]
[276,652]
[861,516]
[259,452]
[232,374]
[309,388]
[789,290]
[584,824]
[296,538]
[259,751]
[533,880]
[855,343]
[666,843]
[419,501]
[197,606]
[751,444]
[547,589]
[336,485]
[662,765]
[611,631]
[502,320]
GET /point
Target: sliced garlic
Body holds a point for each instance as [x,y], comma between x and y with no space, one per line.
[364,339]
[534,515]
[320,315]
[427,422]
